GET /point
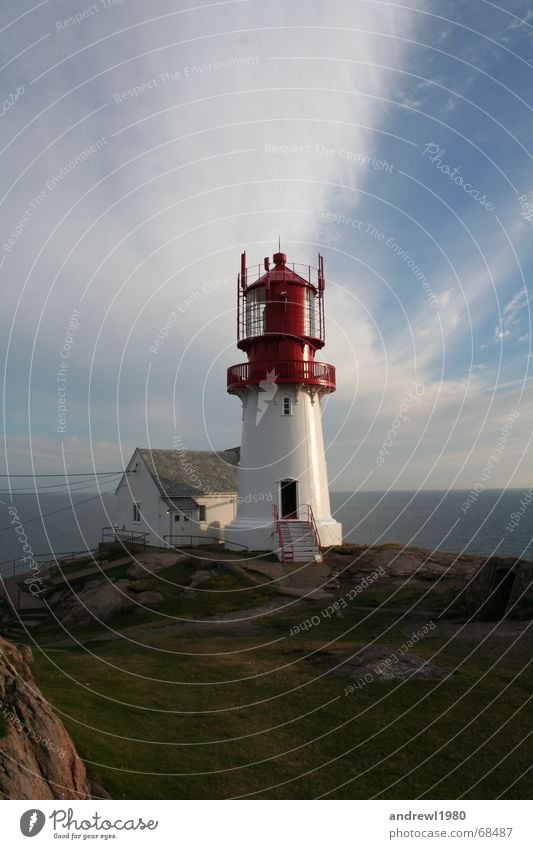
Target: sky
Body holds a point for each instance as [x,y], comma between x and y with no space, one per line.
[144,146]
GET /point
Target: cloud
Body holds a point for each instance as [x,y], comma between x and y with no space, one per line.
[511,316]
[224,128]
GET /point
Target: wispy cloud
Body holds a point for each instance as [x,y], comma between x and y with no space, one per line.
[511,317]
[223,128]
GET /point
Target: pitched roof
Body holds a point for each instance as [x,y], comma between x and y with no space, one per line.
[184,472]
[181,502]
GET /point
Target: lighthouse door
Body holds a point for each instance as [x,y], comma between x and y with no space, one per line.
[289,499]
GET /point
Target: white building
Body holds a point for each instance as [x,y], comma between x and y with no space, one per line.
[178,497]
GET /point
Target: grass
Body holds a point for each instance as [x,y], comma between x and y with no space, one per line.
[174,710]
[206,714]
[223,594]
[302,736]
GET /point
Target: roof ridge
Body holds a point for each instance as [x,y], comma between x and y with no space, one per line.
[193,450]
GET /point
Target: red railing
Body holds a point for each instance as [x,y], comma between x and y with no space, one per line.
[305,513]
[278,529]
[311,373]
[312,320]
[298,321]
[314,275]
[311,520]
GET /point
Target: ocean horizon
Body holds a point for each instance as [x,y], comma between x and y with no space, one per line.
[492,522]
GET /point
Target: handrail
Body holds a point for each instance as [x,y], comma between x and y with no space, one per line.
[310,372]
[110,533]
[278,528]
[167,537]
[311,520]
[311,276]
[304,508]
[49,558]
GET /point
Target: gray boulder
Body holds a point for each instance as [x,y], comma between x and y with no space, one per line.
[102,602]
[150,598]
[201,576]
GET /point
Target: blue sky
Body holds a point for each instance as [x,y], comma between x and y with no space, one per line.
[142,148]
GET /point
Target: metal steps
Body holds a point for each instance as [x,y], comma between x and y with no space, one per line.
[298,541]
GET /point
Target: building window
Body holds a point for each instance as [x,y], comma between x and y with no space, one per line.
[201,513]
[286,406]
[137,512]
[310,316]
[255,312]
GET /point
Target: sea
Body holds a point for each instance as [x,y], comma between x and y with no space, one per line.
[495,522]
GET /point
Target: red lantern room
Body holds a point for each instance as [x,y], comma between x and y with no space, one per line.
[280,325]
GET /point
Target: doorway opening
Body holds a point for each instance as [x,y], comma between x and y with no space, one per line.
[289,499]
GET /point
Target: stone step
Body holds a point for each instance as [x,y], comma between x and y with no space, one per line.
[303,552]
[33,613]
[14,634]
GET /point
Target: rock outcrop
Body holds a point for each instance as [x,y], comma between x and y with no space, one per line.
[379,662]
[486,589]
[37,756]
[93,596]
[98,601]
[400,561]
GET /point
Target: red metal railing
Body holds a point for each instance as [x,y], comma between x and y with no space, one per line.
[300,321]
[314,275]
[311,373]
[311,520]
[278,529]
[250,320]
[305,513]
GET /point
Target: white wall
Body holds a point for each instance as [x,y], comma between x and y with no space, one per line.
[219,510]
[139,486]
[275,447]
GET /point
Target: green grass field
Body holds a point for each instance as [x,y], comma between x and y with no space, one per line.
[195,712]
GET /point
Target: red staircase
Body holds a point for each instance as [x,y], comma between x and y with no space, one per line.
[298,539]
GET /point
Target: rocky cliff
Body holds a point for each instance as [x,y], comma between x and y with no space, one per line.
[37,757]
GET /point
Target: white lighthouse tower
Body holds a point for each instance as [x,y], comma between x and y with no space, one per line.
[283,498]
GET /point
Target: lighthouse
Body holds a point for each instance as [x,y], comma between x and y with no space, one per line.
[283,498]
